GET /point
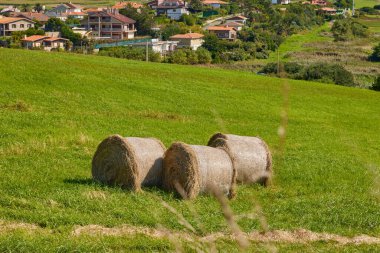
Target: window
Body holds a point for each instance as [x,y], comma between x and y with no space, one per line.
[14,26]
[21,25]
[29,25]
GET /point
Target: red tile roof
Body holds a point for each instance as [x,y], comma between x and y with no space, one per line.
[12,20]
[33,16]
[34,38]
[187,36]
[54,39]
[220,28]
[232,24]
[238,17]
[122,18]
[213,2]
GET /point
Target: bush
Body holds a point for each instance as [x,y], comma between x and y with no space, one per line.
[204,56]
[178,57]
[346,29]
[375,56]
[376,85]
[328,73]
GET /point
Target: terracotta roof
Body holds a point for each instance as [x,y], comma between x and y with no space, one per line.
[213,2]
[33,16]
[239,16]
[122,5]
[11,20]
[232,23]
[54,39]
[99,9]
[220,28]
[122,18]
[34,38]
[328,9]
[187,36]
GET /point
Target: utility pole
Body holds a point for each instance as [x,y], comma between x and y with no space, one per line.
[353,7]
[146,52]
[278,61]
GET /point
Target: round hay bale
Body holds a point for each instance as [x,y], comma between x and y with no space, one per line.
[129,162]
[250,155]
[197,169]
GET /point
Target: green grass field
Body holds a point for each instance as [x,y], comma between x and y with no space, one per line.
[366,3]
[55,108]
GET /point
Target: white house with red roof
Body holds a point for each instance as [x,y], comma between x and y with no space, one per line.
[8,25]
[216,4]
[222,32]
[45,42]
[191,40]
[110,24]
[63,11]
[238,19]
[174,9]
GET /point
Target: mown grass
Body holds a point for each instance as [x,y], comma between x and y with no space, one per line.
[56,108]
[366,3]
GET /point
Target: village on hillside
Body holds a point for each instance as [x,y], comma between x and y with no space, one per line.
[181,32]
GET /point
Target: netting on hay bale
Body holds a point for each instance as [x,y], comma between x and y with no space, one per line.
[196,169]
[250,155]
[128,162]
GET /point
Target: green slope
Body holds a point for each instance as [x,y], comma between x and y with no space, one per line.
[55,109]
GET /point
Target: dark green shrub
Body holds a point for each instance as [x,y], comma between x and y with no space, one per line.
[375,56]
[376,85]
[204,56]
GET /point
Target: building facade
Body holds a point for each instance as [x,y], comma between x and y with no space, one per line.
[110,24]
[8,25]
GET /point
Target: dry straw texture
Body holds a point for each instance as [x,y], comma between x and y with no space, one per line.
[251,157]
[197,169]
[129,162]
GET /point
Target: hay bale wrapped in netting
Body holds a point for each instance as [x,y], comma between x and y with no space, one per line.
[197,169]
[129,162]
[250,155]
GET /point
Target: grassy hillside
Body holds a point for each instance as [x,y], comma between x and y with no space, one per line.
[56,108]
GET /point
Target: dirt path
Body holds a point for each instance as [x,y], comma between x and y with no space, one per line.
[282,236]
[302,236]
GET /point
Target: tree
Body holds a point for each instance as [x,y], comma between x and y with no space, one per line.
[375,56]
[57,25]
[346,29]
[196,5]
[144,19]
[26,7]
[38,7]
[376,85]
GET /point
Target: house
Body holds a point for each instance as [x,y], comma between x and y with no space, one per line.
[158,46]
[318,2]
[55,43]
[123,5]
[191,40]
[7,11]
[216,4]
[238,19]
[82,31]
[174,9]
[110,24]
[327,11]
[226,33]
[280,1]
[236,25]
[12,24]
[62,11]
[35,16]
[45,42]
[33,41]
